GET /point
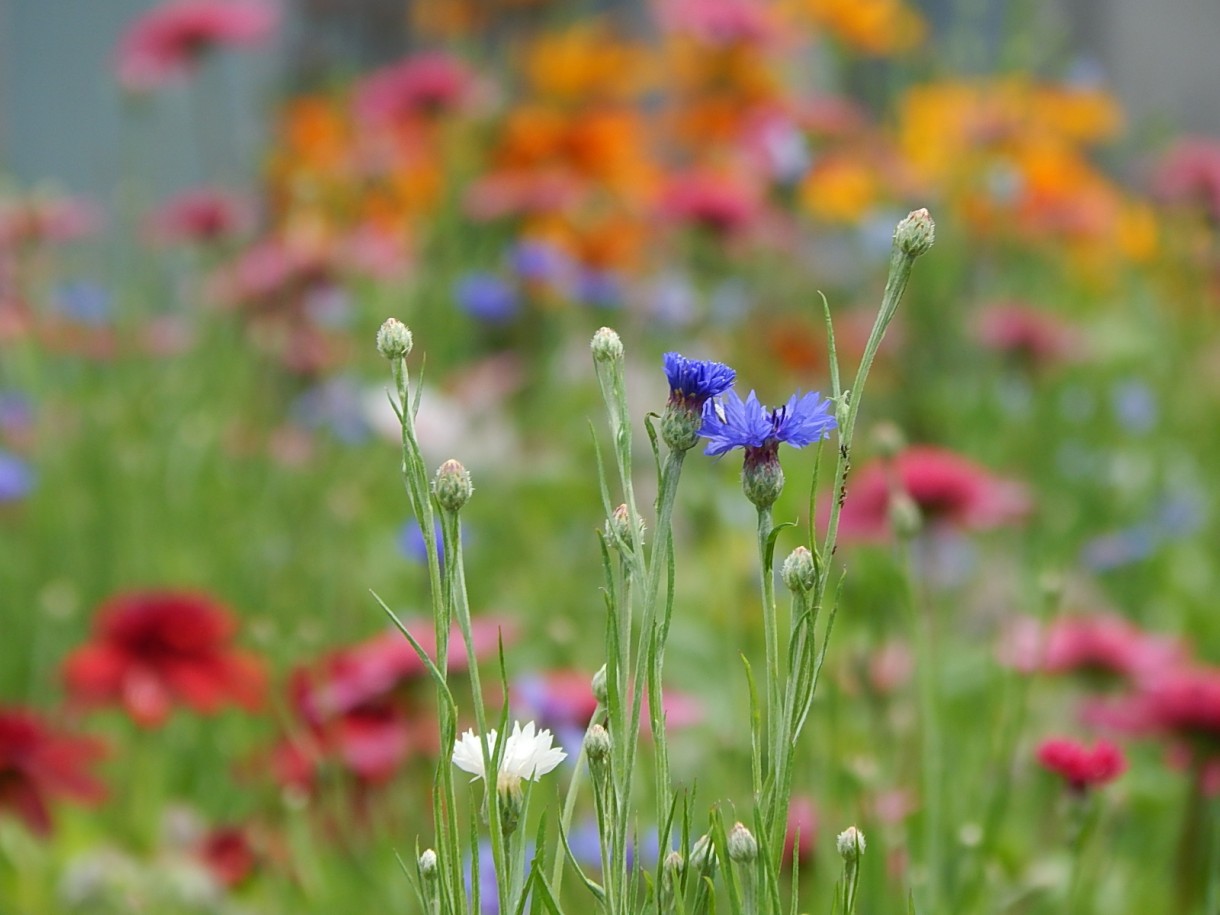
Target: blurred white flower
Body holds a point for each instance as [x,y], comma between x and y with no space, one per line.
[528,753]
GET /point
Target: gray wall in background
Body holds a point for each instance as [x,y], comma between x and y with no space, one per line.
[62,117]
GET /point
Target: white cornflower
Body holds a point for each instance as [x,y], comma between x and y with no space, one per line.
[528,753]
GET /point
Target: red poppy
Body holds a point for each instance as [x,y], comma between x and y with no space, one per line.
[37,763]
[152,649]
[1080,766]
[948,488]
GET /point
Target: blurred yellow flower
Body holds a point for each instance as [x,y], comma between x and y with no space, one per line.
[840,188]
[875,27]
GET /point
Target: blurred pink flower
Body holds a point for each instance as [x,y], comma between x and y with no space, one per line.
[425,84]
[1189,174]
[1099,646]
[201,215]
[168,41]
[1081,767]
[1031,336]
[719,203]
[948,488]
[800,840]
[720,22]
[38,219]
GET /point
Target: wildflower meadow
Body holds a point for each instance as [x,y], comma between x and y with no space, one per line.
[676,457]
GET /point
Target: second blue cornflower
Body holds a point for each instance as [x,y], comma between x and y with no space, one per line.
[734,423]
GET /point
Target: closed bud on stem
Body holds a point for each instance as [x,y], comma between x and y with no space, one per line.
[762,479]
[597,744]
[850,844]
[601,691]
[798,571]
[888,440]
[394,339]
[905,516]
[703,855]
[607,346]
[511,798]
[618,528]
[915,234]
[452,486]
[743,847]
[427,865]
[671,877]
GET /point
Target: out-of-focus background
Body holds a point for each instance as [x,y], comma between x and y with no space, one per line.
[207,209]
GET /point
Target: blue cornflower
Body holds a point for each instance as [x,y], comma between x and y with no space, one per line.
[692,383]
[734,423]
[487,297]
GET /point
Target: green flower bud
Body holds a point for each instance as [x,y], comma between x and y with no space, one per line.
[618,528]
[915,234]
[452,486]
[743,847]
[427,864]
[394,339]
[511,798]
[597,744]
[600,691]
[851,844]
[607,346]
[905,516]
[799,572]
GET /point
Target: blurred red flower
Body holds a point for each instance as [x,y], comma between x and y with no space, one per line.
[426,84]
[1026,334]
[168,41]
[37,763]
[948,488]
[1080,766]
[227,853]
[1189,175]
[154,648]
[356,708]
[1100,646]
[200,215]
[800,840]
[718,203]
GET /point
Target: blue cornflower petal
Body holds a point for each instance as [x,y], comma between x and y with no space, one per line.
[696,380]
[805,421]
[732,423]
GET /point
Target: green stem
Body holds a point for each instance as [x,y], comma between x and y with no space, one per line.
[921,628]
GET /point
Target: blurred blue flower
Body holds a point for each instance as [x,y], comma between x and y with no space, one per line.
[411,542]
[16,411]
[1179,515]
[693,381]
[672,299]
[538,261]
[16,477]
[1135,406]
[336,404]
[599,288]
[487,297]
[733,423]
[83,301]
